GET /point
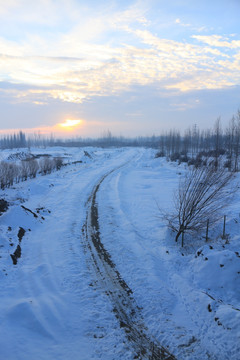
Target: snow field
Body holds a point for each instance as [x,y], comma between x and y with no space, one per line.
[52,306]
[169,283]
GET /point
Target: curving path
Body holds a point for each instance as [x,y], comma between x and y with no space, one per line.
[125,307]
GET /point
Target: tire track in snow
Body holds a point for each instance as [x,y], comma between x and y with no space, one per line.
[125,308]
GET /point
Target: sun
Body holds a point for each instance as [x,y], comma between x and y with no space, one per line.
[70,124]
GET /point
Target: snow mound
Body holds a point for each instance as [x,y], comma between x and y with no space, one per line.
[218,271]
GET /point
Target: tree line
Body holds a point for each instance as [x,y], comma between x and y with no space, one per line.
[205,190]
[192,146]
[12,172]
[195,147]
[13,141]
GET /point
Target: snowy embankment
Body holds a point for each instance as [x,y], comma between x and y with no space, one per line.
[53,307]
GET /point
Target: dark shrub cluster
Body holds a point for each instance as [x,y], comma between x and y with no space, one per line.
[159,154]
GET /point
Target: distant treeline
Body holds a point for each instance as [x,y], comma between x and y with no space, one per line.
[13,141]
[190,144]
[20,140]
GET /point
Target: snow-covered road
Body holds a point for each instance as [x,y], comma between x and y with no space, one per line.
[53,303]
[125,308]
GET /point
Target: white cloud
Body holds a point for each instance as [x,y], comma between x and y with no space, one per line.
[81,61]
[179,22]
[218,41]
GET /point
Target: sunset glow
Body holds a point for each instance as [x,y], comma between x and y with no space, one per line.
[139,67]
[70,124]
[59,129]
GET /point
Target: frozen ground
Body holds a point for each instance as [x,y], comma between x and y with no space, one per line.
[53,303]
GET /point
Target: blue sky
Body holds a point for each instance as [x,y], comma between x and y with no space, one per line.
[131,67]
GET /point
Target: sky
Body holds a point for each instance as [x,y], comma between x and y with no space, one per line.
[135,68]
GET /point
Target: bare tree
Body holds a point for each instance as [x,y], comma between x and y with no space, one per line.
[58,162]
[33,167]
[24,170]
[201,195]
[229,141]
[217,134]
[46,165]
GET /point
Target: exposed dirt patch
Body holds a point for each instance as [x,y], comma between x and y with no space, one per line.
[18,252]
[16,255]
[76,162]
[38,156]
[125,307]
[21,233]
[3,206]
[26,209]
[86,153]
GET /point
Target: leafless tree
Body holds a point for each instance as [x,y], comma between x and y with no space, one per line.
[24,170]
[58,162]
[33,167]
[46,165]
[217,139]
[229,141]
[201,196]
[3,172]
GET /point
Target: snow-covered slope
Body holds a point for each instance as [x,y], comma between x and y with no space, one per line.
[53,307]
